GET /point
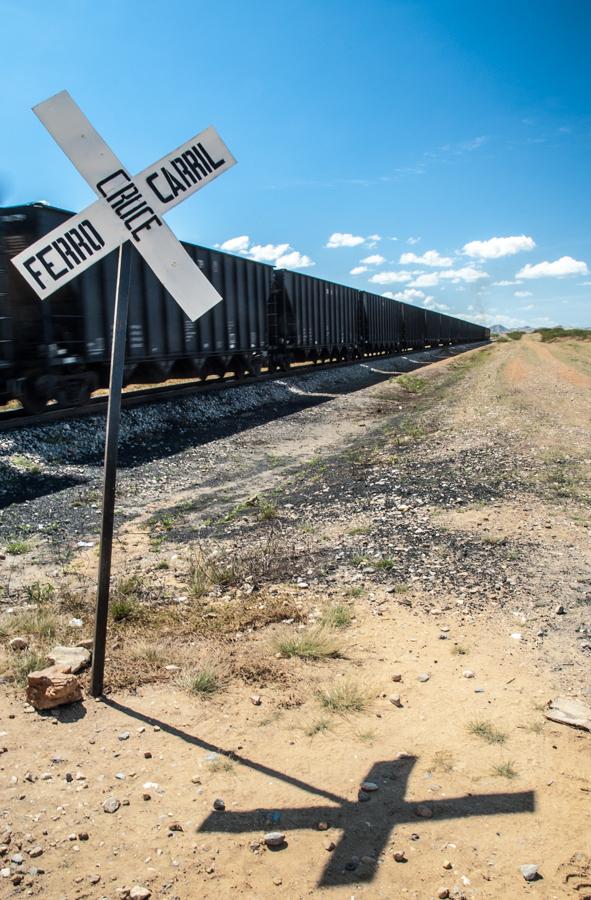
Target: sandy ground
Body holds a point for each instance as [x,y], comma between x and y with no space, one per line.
[290,764]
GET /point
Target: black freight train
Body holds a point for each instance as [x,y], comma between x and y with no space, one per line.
[58,349]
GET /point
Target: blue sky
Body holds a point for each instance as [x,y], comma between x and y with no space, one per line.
[443,124]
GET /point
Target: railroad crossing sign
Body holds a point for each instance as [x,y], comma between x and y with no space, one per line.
[128,208]
[129,211]
[366,828]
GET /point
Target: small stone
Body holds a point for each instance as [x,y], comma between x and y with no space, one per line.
[424,676]
[256,700]
[330,846]
[111,805]
[146,796]
[175,826]
[400,857]
[138,892]
[86,643]
[52,687]
[468,673]
[529,872]
[172,668]
[516,635]
[443,636]
[83,835]
[17,858]
[322,826]
[124,736]
[447,864]
[397,676]
[147,754]
[395,700]
[424,812]
[195,779]
[559,611]
[277,880]
[369,786]
[219,804]
[443,893]
[76,658]
[274,838]
[18,643]
[94,879]
[362,797]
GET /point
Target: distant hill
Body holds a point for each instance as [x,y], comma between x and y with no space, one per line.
[500,329]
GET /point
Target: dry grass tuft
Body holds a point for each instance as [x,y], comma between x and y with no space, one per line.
[309,645]
[344,697]
[487,732]
[339,615]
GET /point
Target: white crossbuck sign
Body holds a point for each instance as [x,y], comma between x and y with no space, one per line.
[128,208]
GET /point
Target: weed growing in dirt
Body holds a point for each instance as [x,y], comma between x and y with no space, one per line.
[17,547]
[203,682]
[487,732]
[367,737]
[25,464]
[459,650]
[40,623]
[309,645]
[443,761]
[38,592]
[505,770]
[124,609]
[26,663]
[554,334]
[221,764]
[344,697]
[386,564]
[355,592]
[536,727]
[413,384]
[318,727]
[148,652]
[337,616]
[359,529]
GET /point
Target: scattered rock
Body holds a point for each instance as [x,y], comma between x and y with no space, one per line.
[219,804]
[52,687]
[111,805]
[424,812]
[447,864]
[468,673]
[397,676]
[76,658]
[443,893]
[569,712]
[369,786]
[138,892]
[18,643]
[175,826]
[330,846]
[529,872]
[124,736]
[560,610]
[400,857]
[278,880]
[256,700]
[34,852]
[172,668]
[322,826]
[274,838]
[395,700]
[362,797]
[424,676]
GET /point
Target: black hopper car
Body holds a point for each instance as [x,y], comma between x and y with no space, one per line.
[59,349]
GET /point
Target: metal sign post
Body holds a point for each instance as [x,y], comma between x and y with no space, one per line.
[128,209]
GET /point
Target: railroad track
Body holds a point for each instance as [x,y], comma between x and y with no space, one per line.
[18,418]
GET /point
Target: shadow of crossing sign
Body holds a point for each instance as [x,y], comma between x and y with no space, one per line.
[366,828]
[129,211]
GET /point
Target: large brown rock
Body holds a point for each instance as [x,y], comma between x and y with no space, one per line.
[53,686]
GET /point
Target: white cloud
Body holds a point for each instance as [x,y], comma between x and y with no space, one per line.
[469,274]
[429,279]
[505,283]
[390,277]
[236,244]
[358,270]
[566,265]
[340,239]
[375,260]
[407,295]
[529,306]
[523,294]
[429,258]
[498,246]
[413,240]
[430,303]
[374,237]
[267,252]
[294,260]
[583,283]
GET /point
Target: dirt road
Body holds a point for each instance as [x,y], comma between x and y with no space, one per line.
[387,588]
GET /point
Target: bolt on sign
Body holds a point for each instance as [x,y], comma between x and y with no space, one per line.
[128,212]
